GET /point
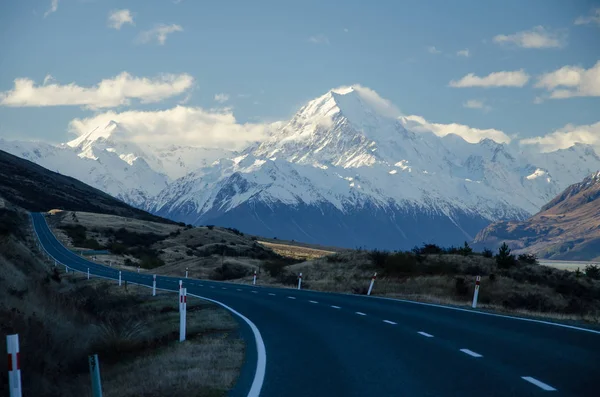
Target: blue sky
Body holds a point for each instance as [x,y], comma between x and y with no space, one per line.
[270,57]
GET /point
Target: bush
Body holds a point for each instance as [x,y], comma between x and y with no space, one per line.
[230,271]
[400,264]
[10,222]
[487,253]
[379,257]
[461,287]
[151,262]
[592,271]
[335,258]
[530,259]
[76,233]
[504,259]
[465,250]
[428,249]
[210,227]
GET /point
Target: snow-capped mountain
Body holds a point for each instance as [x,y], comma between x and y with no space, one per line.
[347,171]
[105,159]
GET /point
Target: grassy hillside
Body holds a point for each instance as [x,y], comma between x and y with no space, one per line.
[37,189]
[61,319]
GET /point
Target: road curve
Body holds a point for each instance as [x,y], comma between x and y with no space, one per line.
[324,344]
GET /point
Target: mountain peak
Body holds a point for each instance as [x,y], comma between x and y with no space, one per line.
[96,134]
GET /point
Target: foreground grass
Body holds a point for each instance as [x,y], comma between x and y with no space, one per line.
[61,319]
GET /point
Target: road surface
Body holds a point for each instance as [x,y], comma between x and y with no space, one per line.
[307,343]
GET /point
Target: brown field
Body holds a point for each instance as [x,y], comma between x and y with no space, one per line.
[296,252]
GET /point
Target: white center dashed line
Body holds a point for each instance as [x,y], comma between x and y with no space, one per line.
[471,353]
[239,290]
[313,302]
[335,307]
[272,294]
[389,322]
[291,297]
[212,286]
[539,384]
[223,288]
[425,334]
[202,285]
[360,313]
[254,292]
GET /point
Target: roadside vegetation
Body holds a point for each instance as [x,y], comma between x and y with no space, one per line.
[61,319]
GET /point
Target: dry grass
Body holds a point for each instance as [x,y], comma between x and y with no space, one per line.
[296,252]
[61,319]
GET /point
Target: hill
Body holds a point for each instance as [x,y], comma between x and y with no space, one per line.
[38,189]
[566,228]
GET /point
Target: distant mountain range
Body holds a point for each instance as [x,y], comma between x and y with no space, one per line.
[343,171]
[567,228]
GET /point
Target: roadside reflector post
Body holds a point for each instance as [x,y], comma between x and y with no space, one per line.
[55,263]
[300,281]
[88,273]
[154,285]
[254,278]
[95,374]
[186,272]
[119,278]
[182,313]
[14,365]
[138,269]
[180,293]
[372,282]
[476,293]
[66,269]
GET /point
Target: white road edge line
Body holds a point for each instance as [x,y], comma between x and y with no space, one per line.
[539,384]
[360,313]
[313,302]
[459,309]
[471,353]
[389,322]
[425,334]
[261,352]
[335,307]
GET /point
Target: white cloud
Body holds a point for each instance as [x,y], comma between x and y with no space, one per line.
[318,39]
[118,18]
[433,50]
[579,82]
[108,93]
[477,104]
[517,78]
[566,137]
[593,18]
[221,98]
[47,80]
[53,8]
[346,30]
[372,98]
[158,33]
[185,125]
[469,134]
[538,37]
[463,53]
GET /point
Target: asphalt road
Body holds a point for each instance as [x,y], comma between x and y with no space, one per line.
[324,344]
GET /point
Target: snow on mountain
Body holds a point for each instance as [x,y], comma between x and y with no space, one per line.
[348,169]
[345,159]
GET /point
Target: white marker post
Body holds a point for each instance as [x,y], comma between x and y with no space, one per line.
[88,273]
[14,365]
[55,263]
[154,285]
[119,278]
[66,269]
[138,269]
[180,293]
[476,293]
[372,282]
[254,279]
[182,313]
[186,272]
[300,281]
[95,374]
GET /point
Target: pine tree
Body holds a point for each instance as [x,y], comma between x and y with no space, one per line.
[505,259]
[465,250]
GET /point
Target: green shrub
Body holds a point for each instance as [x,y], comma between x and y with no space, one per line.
[487,253]
[465,250]
[461,287]
[504,258]
[592,271]
[530,259]
[230,271]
